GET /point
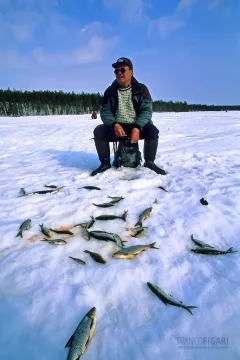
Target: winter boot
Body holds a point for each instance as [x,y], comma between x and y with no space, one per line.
[103,151]
[149,151]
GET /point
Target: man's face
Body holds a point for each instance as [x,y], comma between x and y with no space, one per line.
[123,78]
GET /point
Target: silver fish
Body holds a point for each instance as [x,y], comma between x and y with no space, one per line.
[109,204]
[95,256]
[55,241]
[44,191]
[161,187]
[105,236]
[25,226]
[138,231]
[131,251]
[200,243]
[143,216]
[51,186]
[116,199]
[113,217]
[45,230]
[168,299]
[79,261]
[90,187]
[212,251]
[90,223]
[85,234]
[81,337]
[67,232]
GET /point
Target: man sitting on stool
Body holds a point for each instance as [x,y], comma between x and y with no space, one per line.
[126,110]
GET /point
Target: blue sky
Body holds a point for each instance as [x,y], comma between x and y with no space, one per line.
[183,50]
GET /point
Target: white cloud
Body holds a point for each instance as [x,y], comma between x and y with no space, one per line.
[95,49]
[166,25]
[129,10]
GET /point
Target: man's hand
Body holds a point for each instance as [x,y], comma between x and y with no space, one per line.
[135,135]
[119,130]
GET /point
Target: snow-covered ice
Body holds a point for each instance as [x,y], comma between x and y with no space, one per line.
[44,294]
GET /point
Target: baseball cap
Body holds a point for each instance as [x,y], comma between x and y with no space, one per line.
[123,61]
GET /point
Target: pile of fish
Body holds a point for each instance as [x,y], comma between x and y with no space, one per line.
[80,339]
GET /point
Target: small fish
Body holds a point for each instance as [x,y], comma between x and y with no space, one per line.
[105,236]
[85,234]
[90,223]
[82,225]
[116,199]
[168,299]
[68,232]
[200,243]
[138,230]
[45,230]
[143,216]
[113,217]
[22,192]
[56,241]
[81,337]
[90,187]
[131,251]
[25,226]
[203,201]
[51,186]
[161,187]
[97,257]
[212,251]
[79,261]
[44,191]
[109,204]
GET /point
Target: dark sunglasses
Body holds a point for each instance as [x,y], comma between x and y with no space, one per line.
[122,70]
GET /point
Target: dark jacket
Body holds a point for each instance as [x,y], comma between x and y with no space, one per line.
[142,103]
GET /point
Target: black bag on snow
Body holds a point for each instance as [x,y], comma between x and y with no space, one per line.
[126,154]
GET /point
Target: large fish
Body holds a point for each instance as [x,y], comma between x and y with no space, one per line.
[81,337]
[200,243]
[168,299]
[105,236]
[113,217]
[143,216]
[95,256]
[25,226]
[131,251]
[212,251]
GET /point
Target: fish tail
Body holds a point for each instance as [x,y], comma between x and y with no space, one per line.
[86,251]
[230,250]
[19,234]
[153,245]
[124,217]
[139,223]
[188,308]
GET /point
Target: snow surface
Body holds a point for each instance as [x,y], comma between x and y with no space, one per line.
[44,294]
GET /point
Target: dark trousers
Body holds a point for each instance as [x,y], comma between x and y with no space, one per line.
[105,133]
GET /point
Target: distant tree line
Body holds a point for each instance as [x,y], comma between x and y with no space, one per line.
[25,103]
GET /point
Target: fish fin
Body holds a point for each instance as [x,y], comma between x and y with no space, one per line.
[139,223]
[230,250]
[125,214]
[69,343]
[19,234]
[153,246]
